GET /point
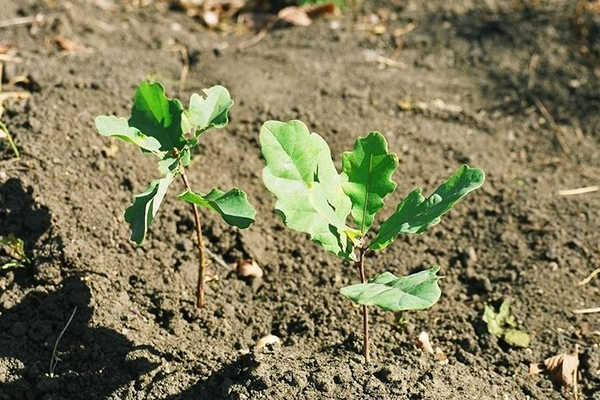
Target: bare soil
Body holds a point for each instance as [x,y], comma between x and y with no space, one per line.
[473,78]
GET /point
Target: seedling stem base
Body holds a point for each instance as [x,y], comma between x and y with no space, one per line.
[202,263]
[365,311]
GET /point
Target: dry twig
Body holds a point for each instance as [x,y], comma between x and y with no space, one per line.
[573,192]
[560,135]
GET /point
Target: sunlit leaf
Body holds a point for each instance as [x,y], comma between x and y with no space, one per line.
[369,168]
[157,116]
[390,293]
[233,206]
[210,111]
[141,213]
[301,174]
[416,213]
[119,128]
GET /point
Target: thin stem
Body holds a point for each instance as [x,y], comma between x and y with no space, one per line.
[365,311]
[202,264]
[10,140]
[54,359]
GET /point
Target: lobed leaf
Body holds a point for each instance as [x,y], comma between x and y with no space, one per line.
[415,213]
[141,213]
[119,128]
[503,325]
[210,111]
[390,293]
[157,116]
[308,188]
[233,206]
[369,168]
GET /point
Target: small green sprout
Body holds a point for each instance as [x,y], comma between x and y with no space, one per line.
[15,250]
[162,127]
[504,325]
[5,134]
[312,197]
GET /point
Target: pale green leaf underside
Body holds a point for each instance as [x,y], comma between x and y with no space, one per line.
[303,178]
[210,111]
[141,214]
[232,206]
[369,168]
[415,213]
[390,293]
[119,128]
[157,116]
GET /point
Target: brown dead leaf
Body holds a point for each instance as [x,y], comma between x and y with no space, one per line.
[304,15]
[296,16]
[534,369]
[563,368]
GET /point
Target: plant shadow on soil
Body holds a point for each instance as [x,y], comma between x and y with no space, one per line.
[510,42]
[91,360]
[95,361]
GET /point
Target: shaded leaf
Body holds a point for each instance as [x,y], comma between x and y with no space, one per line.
[415,213]
[119,128]
[369,168]
[210,111]
[232,206]
[157,116]
[303,178]
[141,213]
[503,325]
[390,293]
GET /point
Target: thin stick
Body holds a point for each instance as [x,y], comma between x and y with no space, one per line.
[365,311]
[202,264]
[557,129]
[583,190]
[20,21]
[10,140]
[589,277]
[218,259]
[587,310]
[54,359]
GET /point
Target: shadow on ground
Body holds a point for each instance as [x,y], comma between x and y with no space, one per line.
[91,361]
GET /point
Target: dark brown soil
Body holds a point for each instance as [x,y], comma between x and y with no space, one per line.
[136,333]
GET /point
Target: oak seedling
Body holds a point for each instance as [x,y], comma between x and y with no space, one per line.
[162,127]
[312,197]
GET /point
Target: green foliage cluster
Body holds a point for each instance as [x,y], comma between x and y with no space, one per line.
[163,128]
[312,197]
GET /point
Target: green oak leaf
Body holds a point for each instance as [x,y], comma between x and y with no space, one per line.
[210,111]
[503,325]
[141,213]
[302,176]
[119,128]
[233,206]
[390,293]
[415,213]
[157,116]
[369,168]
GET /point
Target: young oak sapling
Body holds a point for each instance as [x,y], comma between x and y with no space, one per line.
[312,197]
[162,127]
